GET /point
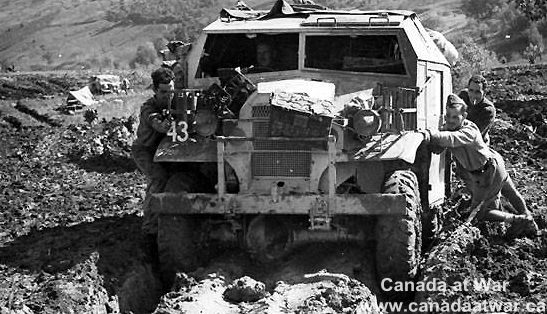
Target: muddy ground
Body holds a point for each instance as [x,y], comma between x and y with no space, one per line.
[487,250]
[70,220]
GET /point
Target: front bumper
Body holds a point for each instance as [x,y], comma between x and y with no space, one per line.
[231,204]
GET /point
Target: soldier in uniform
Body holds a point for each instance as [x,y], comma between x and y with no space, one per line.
[265,57]
[152,128]
[488,177]
[480,110]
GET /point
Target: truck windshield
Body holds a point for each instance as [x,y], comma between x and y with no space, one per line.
[365,53]
[253,53]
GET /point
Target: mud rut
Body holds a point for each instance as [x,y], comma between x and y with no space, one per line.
[80,249]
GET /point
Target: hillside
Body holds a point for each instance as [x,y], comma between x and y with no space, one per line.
[48,34]
[76,34]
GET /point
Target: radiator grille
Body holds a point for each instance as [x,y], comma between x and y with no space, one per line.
[277,162]
[262,129]
[281,164]
[261,111]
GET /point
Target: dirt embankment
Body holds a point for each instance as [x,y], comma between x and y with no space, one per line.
[69,224]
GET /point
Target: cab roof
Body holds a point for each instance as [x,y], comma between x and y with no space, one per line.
[253,21]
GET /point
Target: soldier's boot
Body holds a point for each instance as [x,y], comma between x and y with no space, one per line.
[523,226]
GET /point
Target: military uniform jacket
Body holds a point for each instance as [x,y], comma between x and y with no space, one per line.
[466,144]
[148,132]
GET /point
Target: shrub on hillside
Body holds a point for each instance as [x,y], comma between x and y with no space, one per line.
[536,45]
[483,9]
[431,21]
[532,53]
[534,37]
[145,55]
[535,10]
[474,59]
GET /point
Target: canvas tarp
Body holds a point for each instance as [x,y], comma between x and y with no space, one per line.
[83,96]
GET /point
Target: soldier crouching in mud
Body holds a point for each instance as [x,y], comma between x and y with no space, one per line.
[485,167]
[152,128]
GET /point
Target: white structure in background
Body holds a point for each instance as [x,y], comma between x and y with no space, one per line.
[105,84]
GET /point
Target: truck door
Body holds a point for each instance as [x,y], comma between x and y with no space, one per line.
[434,109]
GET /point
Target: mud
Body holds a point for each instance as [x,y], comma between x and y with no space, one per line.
[320,292]
[70,223]
[487,251]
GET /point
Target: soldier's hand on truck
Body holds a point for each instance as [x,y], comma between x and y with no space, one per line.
[161,125]
[426,134]
[165,125]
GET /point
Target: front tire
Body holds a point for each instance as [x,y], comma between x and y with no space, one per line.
[398,237]
[267,238]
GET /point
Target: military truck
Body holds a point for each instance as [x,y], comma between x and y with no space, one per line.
[319,145]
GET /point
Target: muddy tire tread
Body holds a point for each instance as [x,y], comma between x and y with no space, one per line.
[399,237]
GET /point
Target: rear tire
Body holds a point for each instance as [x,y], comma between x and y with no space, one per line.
[399,237]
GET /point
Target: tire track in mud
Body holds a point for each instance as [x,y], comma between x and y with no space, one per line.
[15,118]
[11,120]
[36,115]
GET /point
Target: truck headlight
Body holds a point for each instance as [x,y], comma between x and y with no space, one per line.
[206,122]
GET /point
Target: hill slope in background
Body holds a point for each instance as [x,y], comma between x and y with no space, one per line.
[76,34]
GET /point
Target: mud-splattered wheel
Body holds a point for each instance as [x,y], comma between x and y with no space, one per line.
[267,238]
[177,245]
[398,237]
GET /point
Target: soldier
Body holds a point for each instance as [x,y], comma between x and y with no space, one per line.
[125,85]
[265,57]
[152,128]
[486,168]
[480,110]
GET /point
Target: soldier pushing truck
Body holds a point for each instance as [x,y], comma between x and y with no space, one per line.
[484,168]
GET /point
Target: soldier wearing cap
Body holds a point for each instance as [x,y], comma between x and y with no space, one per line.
[488,178]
